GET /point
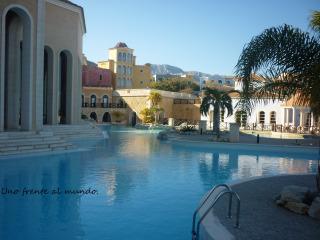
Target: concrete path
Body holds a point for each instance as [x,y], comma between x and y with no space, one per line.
[262,219]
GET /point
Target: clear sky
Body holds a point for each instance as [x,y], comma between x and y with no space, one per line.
[200,35]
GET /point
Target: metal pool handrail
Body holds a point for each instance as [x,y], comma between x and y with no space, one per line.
[195,234]
[205,200]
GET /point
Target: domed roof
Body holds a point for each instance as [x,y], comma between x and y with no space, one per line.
[121,45]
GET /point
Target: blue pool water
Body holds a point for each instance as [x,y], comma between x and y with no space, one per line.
[146,189]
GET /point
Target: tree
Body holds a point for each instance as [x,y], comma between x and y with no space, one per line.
[219,100]
[281,63]
[176,84]
[288,61]
[155,99]
[315,21]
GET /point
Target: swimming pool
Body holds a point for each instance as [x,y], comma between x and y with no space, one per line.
[146,189]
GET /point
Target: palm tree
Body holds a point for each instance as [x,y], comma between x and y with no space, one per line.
[315,21]
[155,99]
[287,61]
[219,100]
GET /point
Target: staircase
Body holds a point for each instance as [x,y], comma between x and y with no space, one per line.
[31,142]
[76,132]
[51,138]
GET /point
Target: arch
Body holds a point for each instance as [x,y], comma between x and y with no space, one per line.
[93,100]
[16,69]
[65,87]
[48,95]
[93,116]
[262,116]
[105,101]
[106,117]
[273,117]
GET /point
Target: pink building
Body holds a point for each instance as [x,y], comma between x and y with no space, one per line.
[93,76]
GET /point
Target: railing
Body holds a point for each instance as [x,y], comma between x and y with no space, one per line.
[226,190]
[283,128]
[104,105]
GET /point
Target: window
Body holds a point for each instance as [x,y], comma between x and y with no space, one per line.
[141,82]
[119,56]
[261,117]
[124,70]
[273,117]
[82,100]
[105,101]
[220,82]
[100,77]
[141,70]
[93,99]
[124,57]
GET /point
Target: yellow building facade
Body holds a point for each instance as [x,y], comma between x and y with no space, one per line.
[127,75]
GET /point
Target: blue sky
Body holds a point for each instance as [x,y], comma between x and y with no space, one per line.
[200,35]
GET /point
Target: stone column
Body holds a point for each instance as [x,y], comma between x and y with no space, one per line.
[171,122]
[39,64]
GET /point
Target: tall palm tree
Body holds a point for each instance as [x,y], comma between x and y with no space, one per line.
[287,61]
[219,100]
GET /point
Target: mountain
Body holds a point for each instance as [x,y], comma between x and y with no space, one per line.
[163,69]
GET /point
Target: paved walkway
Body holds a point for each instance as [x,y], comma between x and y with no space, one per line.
[262,219]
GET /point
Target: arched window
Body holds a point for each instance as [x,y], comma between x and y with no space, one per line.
[124,70]
[273,117]
[105,101]
[124,57]
[119,57]
[262,117]
[93,101]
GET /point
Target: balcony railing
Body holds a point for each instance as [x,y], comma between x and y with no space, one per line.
[104,105]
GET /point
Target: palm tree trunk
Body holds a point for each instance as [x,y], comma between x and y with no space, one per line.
[216,120]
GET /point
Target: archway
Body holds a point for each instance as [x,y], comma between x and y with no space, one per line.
[65,87]
[106,117]
[93,116]
[16,108]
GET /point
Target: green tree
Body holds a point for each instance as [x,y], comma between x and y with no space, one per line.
[280,63]
[219,100]
[176,84]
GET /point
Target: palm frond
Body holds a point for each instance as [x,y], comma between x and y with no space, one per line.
[279,63]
